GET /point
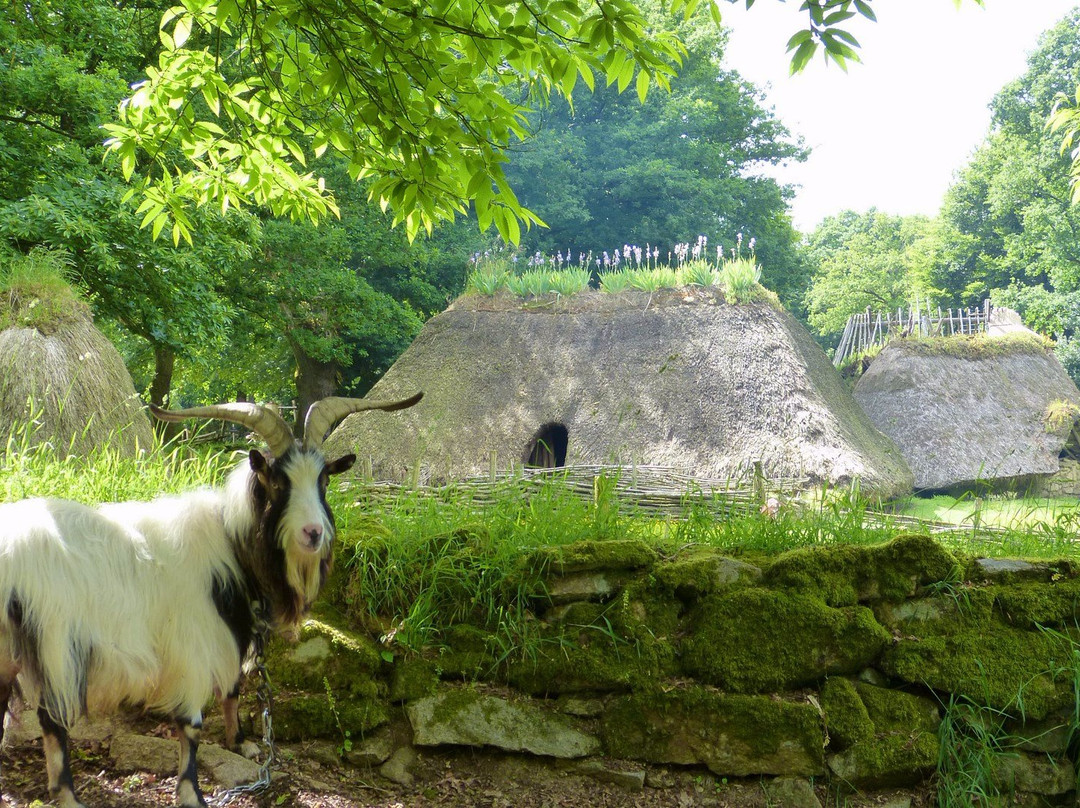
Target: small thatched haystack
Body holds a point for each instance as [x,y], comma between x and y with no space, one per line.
[965,410]
[62,382]
[677,379]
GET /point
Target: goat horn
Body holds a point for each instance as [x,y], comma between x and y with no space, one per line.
[263,421]
[324,415]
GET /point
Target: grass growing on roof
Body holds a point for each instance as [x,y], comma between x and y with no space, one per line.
[975,346]
[35,291]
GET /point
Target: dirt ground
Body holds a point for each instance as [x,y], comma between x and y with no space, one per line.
[312,776]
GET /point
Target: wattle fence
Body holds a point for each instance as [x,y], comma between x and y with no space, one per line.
[869,329]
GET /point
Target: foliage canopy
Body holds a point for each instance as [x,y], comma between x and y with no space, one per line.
[420,98]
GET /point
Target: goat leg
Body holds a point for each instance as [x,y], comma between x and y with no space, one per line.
[5,694]
[230,706]
[54,738]
[188,794]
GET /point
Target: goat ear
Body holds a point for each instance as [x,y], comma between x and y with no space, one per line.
[258,461]
[341,464]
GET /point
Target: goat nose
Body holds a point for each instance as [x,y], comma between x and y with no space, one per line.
[313,534]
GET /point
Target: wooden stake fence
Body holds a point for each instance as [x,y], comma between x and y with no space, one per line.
[655,488]
[868,329]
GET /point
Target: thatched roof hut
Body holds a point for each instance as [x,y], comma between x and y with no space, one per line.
[62,383]
[677,379]
[968,410]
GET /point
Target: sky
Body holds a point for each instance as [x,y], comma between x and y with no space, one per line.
[891,132]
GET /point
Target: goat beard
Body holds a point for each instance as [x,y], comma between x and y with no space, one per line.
[306,573]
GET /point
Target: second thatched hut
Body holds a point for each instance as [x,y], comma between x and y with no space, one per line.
[987,410]
[678,379]
[62,382]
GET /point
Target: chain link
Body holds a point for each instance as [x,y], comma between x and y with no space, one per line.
[265,694]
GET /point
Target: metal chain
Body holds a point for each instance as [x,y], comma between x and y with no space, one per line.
[265,694]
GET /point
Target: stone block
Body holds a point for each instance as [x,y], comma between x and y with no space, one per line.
[464,717]
[732,735]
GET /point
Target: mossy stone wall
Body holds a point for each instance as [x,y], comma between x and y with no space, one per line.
[835,664]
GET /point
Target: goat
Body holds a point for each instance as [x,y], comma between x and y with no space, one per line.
[156,603]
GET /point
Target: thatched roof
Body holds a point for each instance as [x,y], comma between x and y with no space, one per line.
[964,410]
[66,385]
[677,378]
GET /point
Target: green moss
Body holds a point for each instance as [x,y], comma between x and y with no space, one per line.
[888,761]
[1001,571]
[462,637]
[846,719]
[846,575]
[651,612]
[413,679]
[961,607]
[896,711]
[977,346]
[596,665]
[731,734]
[304,716]
[1001,667]
[758,640]
[702,572]
[586,556]
[902,748]
[1047,604]
[468,653]
[330,683]
[1060,415]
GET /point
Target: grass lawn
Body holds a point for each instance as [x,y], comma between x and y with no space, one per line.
[994,511]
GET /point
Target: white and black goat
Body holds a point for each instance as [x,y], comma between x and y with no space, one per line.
[155,603]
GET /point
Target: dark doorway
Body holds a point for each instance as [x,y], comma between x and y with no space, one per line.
[547,450]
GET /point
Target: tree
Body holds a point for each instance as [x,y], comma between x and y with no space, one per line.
[1008,215]
[864,260]
[420,98]
[1009,229]
[612,170]
[67,65]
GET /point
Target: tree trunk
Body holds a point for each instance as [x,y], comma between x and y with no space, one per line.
[315,380]
[164,362]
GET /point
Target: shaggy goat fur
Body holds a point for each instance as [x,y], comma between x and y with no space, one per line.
[153,602]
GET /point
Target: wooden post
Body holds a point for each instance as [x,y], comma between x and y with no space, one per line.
[843,348]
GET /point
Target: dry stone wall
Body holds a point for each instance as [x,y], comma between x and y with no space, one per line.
[1065,483]
[857,667]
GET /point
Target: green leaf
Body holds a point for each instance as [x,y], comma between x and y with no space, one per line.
[838,17]
[864,9]
[642,86]
[798,38]
[803,54]
[626,75]
[182,30]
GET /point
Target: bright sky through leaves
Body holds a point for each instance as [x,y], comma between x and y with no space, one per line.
[891,131]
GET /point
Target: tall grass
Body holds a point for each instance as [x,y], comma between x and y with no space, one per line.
[629,267]
[105,474]
[431,562]
[740,277]
[36,292]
